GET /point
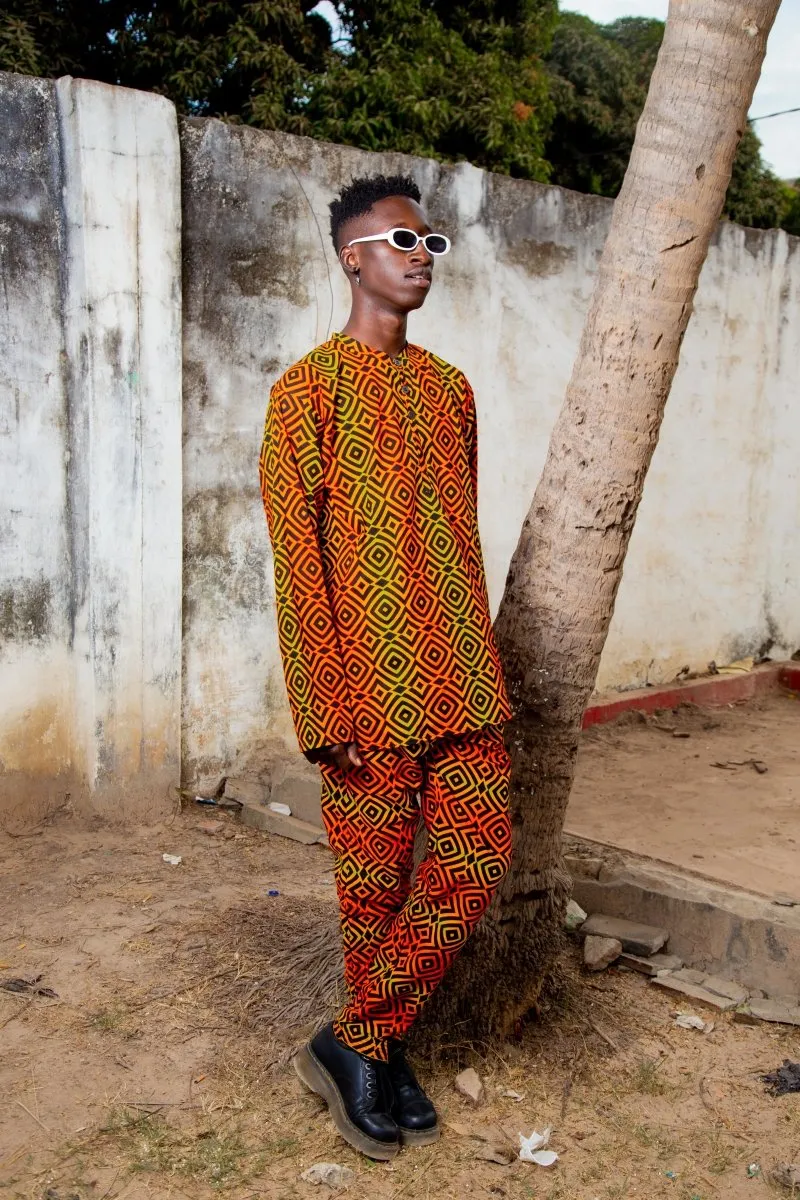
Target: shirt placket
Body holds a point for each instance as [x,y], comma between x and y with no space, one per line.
[407,389]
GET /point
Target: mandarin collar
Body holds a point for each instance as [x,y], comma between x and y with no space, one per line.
[360,350]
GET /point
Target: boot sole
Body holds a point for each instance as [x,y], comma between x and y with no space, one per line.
[419,1137]
[318,1080]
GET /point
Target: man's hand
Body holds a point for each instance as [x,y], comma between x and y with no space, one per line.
[343,755]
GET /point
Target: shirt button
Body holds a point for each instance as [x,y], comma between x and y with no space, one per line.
[405,390]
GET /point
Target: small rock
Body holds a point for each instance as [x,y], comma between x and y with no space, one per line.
[469,1084]
[574,916]
[635,938]
[786,1175]
[330,1173]
[651,965]
[212,828]
[600,952]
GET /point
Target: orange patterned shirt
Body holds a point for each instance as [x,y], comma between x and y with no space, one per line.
[369,477]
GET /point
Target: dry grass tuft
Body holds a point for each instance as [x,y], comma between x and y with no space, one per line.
[277,969]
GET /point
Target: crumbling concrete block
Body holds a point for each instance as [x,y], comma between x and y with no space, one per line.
[580,866]
[635,938]
[300,789]
[652,965]
[246,791]
[258,816]
[781,1012]
[713,983]
[694,992]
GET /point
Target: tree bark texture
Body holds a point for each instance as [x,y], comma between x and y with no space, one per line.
[563,580]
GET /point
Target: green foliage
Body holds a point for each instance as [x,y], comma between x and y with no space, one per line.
[599,76]
[243,61]
[509,85]
[755,195]
[446,81]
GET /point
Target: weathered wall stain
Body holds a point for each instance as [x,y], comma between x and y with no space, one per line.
[25,610]
[128,565]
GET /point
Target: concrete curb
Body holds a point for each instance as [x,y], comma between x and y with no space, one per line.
[719,930]
[713,690]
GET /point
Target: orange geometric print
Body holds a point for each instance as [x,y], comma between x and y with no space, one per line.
[369,478]
[399,940]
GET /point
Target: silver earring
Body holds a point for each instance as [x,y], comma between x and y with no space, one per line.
[357,275]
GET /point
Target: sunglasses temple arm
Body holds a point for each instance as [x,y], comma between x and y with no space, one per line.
[373,237]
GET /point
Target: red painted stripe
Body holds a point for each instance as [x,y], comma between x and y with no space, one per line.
[713,690]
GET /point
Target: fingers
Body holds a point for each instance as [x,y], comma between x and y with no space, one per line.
[353,755]
[344,756]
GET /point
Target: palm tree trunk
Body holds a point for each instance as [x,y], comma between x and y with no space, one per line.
[563,580]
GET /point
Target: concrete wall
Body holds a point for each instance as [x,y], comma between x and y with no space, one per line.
[90,335]
[91,401]
[714,565]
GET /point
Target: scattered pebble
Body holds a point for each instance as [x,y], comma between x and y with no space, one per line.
[174,860]
[212,828]
[786,1175]
[601,952]
[469,1084]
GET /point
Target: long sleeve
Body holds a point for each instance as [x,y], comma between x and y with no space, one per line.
[471,434]
[292,486]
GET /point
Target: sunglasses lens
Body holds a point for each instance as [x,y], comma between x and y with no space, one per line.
[436,243]
[404,239]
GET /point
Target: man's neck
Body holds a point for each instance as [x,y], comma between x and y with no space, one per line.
[384,331]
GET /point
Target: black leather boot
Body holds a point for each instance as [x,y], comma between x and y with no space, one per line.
[414,1113]
[356,1090]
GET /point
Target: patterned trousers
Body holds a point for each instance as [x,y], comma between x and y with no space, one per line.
[398,940]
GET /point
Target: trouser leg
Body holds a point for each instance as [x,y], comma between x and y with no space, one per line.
[465,808]
[371,817]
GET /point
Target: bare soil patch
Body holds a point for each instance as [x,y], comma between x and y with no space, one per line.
[650,785]
[158,1070]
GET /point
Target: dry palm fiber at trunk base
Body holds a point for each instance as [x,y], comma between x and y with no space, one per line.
[285,959]
[786,1079]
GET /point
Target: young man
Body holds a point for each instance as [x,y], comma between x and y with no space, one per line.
[369,479]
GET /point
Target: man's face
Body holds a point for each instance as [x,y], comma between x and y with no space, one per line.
[397,279]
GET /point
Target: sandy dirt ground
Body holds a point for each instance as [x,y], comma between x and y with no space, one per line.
[158,1068]
[644,789]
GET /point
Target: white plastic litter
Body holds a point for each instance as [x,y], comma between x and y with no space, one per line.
[174,860]
[330,1173]
[689,1021]
[532,1149]
[283,809]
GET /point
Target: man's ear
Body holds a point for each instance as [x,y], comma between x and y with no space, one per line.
[348,257]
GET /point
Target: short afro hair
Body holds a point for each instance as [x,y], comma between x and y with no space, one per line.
[360,195]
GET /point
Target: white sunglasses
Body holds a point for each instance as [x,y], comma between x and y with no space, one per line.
[407,240]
